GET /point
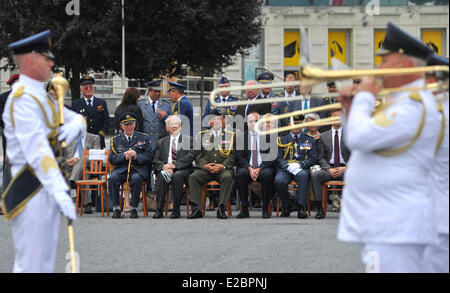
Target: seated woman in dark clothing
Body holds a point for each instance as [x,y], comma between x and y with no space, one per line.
[129,104]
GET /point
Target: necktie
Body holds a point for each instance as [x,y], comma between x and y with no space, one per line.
[90,105]
[254,152]
[129,139]
[79,148]
[174,151]
[305,104]
[295,138]
[337,160]
[224,100]
[153,106]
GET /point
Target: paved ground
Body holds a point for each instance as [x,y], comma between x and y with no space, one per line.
[253,245]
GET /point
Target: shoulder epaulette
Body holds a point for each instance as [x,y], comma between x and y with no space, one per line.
[415,97]
[162,100]
[229,131]
[204,131]
[19,92]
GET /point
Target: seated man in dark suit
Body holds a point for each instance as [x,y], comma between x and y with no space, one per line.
[255,163]
[130,153]
[333,154]
[172,163]
[297,152]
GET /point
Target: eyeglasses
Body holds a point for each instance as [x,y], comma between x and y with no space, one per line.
[252,121]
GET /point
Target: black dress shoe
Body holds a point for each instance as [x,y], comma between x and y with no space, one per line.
[221,213]
[158,214]
[134,214]
[320,214]
[285,213]
[265,213]
[301,214]
[175,215]
[116,214]
[196,214]
[243,214]
[88,209]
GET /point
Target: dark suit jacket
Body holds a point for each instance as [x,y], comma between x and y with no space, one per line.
[325,146]
[243,156]
[139,143]
[98,120]
[297,105]
[262,109]
[185,157]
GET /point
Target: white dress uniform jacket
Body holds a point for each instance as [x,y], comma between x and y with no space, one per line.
[386,199]
[437,256]
[35,229]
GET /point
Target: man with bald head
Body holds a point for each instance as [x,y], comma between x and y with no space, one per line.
[252,95]
[38,191]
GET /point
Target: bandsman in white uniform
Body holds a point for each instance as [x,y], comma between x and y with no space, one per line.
[436,256]
[38,192]
[386,204]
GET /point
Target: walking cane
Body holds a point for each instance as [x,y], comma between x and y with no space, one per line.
[127,190]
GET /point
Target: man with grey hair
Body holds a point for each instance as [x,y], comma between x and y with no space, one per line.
[172,163]
[386,204]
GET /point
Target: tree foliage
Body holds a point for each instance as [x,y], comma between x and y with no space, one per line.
[161,35]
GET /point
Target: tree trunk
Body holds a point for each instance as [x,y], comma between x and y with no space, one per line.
[74,82]
[202,88]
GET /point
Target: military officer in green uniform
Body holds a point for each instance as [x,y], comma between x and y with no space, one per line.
[214,161]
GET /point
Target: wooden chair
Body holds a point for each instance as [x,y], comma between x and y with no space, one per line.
[212,186]
[325,190]
[256,186]
[166,206]
[96,169]
[143,194]
[291,187]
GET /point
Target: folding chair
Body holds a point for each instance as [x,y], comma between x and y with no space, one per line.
[212,186]
[294,186]
[166,206]
[143,194]
[329,186]
[256,186]
[98,168]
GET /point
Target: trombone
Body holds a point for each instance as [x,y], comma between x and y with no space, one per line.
[313,75]
[330,120]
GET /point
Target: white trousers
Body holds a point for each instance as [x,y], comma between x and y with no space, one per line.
[436,256]
[35,235]
[393,258]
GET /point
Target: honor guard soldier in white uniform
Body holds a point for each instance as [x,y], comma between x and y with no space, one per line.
[386,204]
[38,192]
[436,256]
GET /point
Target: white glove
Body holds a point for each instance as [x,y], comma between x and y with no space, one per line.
[295,171]
[69,132]
[66,204]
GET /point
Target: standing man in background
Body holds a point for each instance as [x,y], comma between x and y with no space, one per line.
[94,109]
[182,106]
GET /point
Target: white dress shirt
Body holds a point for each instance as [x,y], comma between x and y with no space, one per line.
[341,158]
[172,138]
[253,136]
